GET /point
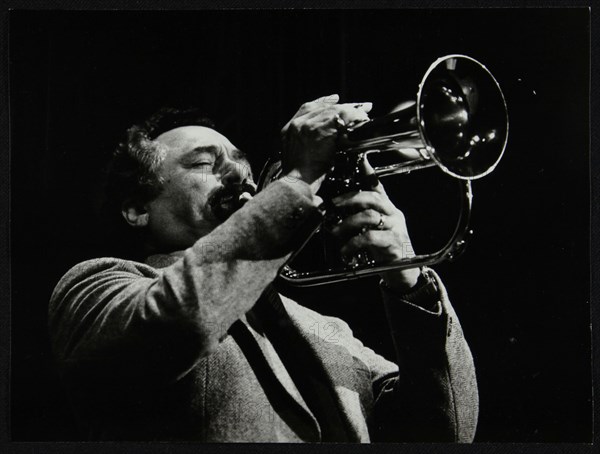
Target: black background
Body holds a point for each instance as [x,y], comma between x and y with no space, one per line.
[79,79]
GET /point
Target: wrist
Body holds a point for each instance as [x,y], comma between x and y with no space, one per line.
[424,294]
[310,177]
[299,185]
[401,281]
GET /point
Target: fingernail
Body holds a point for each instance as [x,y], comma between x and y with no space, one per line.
[332,98]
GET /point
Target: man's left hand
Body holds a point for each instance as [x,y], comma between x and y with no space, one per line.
[371,223]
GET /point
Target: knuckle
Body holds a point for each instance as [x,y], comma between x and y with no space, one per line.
[372,214]
[295,125]
[307,107]
[351,222]
[369,236]
[305,128]
[364,201]
[376,196]
[344,107]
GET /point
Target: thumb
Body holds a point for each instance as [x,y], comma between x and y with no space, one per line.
[364,106]
[370,171]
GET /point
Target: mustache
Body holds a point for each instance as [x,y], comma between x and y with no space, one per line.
[227,199]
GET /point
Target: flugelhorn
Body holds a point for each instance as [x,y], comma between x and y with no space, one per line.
[459,123]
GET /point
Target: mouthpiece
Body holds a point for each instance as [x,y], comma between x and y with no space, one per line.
[244,197]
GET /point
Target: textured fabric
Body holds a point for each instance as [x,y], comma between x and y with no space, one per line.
[168,350]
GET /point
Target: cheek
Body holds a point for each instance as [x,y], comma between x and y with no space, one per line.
[193,191]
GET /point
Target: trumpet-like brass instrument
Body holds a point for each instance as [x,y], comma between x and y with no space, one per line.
[458,123]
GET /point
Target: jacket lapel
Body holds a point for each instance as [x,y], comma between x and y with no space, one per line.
[337,368]
[284,383]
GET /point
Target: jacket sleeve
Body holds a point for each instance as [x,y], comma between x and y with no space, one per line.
[117,320]
[431,394]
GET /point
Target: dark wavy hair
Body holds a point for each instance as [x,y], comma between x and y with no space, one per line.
[133,171]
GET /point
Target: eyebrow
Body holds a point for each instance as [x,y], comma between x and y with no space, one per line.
[235,153]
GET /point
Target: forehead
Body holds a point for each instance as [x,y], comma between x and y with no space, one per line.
[187,138]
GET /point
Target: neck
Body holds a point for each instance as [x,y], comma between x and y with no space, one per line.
[162,260]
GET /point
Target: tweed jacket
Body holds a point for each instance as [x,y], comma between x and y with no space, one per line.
[176,349]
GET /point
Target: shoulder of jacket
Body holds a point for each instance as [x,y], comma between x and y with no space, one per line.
[96,268]
[106,264]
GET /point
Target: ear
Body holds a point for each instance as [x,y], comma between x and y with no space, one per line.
[135,214]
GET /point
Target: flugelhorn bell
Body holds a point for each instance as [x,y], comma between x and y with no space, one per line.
[459,123]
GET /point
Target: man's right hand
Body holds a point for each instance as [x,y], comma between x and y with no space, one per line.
[309,138]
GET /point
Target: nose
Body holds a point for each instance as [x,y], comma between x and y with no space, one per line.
[235,172]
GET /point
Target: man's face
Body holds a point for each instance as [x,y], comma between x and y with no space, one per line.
[198,161]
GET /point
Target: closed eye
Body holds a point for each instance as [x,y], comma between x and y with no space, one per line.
[203,164]
[203,160]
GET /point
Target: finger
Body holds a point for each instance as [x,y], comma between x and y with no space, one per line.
[311,121]
[368,169]
[378,242]
[321,126]
[322,111]
[329,125]
[354,202]
[330,99]
[365,106]
[317,104]
[350,114]
[357,223]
